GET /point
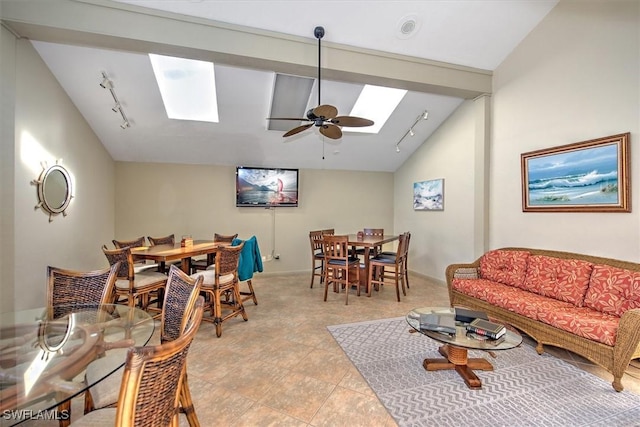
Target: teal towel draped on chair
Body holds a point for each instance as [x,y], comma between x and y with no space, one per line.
[250,262]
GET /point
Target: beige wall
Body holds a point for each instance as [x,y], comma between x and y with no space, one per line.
[576,77]
[49,127]
[159,199]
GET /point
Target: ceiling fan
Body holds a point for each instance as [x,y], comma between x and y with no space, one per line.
[325,117]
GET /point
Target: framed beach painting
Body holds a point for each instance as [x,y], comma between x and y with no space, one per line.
[588,176]
[428,195]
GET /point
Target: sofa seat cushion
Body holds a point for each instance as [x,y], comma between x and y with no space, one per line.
[584,322]
[613,290]
[510,298]
[503,266]
[561,279]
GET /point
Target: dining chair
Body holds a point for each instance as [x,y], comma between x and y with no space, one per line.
[250,262]
[405,259]
[139,265]
[152,380]
[180,298]
[164,240]
[317,258]
[378,232]
[68,290]
[217,282]
[202,264]
[379,265]
[340,269]
[136,287]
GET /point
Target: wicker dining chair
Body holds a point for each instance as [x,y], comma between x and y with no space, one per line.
[68,290]
[150,390]
[219,281]
[164,240]
[203,264]
[340,269]
[379,269]
[136,287]
[180,298]
[139,265]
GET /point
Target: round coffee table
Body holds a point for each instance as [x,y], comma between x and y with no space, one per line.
[455,347]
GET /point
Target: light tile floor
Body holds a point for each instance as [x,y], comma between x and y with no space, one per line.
[283,368]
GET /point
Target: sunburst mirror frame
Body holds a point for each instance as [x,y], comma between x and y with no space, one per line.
[54,189]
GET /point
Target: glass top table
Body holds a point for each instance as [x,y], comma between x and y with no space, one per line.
[42,361]
[455,347]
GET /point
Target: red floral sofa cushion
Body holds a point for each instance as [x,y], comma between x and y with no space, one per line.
[561,279]
[583,322]
[613,290]
[508,267]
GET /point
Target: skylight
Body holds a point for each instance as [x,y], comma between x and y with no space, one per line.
[375,103]
[187,86]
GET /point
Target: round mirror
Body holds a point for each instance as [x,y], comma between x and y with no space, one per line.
[54,190]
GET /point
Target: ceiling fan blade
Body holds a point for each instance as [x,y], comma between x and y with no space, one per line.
[326,111]
[352,122]
[288,118]
[297,130]
[331,131]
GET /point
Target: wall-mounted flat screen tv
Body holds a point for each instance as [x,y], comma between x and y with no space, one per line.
[266,187]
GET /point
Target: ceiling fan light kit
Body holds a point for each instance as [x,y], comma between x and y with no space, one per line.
[324,117]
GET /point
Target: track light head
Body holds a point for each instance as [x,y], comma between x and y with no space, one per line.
[106,84]
[425,115]
[411,132]
[125,124]
[397,148]
[116,108]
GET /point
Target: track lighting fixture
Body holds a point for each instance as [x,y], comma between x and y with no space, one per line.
[411,131]
[117,108]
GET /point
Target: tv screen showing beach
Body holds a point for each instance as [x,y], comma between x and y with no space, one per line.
[265,187]
[588,176]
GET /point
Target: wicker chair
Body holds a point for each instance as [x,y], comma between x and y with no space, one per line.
[379,268]
[220,280]
[68,290]
[340,269]
[203,264]
[179,303]
[136,287]
[150,390]
[140,265]
[164,240]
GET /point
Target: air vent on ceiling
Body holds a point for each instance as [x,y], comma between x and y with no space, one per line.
[290,99]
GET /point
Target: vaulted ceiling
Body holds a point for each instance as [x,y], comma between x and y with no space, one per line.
[442,52]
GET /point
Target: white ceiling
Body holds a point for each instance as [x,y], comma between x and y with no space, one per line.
[474,33]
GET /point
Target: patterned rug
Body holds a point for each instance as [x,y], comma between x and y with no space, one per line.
[525,389]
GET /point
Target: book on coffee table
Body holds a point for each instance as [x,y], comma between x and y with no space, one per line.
[438,322]
[467,315]
[487,328]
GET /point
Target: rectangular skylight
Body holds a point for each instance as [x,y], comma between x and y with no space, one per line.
[375,103]
[187,86]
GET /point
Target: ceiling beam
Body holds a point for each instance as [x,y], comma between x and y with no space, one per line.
[112,25]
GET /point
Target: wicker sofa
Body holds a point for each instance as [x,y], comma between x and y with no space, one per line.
[586,304]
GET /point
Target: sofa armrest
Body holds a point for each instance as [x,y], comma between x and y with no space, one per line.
[627,343]
[467,271]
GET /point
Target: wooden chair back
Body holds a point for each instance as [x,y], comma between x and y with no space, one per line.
[166,240]
[329,231]
[339,267]
[71,289]
[150,388]
[315,238]
[180,297]
[140,241]
[378,232]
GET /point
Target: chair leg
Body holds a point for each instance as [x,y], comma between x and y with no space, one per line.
[217,312]
[186,404]
[252,295]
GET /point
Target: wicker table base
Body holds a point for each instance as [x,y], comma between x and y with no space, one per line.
[456,358]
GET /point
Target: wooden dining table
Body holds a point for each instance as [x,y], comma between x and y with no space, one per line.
[166,253]
[370,245]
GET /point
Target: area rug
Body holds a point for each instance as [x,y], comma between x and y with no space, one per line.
[525,389]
